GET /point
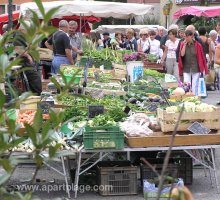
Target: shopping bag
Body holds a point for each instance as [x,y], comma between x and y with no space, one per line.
[210,77]
[202,87]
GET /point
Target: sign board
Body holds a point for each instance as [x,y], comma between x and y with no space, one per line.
[45,106]
[95,110]
[127,109]
[152,107]
[198,128]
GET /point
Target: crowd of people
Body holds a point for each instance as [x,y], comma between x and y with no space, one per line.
[185,52]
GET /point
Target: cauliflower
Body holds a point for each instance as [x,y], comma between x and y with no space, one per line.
[190,107]
[204,107]
[172,109]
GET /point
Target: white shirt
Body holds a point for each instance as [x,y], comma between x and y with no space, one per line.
[155,48]
[143,44]
[172,46]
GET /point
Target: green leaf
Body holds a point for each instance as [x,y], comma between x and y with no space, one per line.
[31,133]
[39,160]
[6,165]
[38,121]
[2,99]
[55,82]
[40,6]
[45,130]
[53,150]
[11,126]
[27,196]
[4,178]
[15,142]
[50,14]
[34,18]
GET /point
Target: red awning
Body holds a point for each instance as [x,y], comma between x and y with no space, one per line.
[84,21]
[4,17]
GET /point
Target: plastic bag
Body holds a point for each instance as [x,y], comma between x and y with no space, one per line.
[170,78]
[202,87]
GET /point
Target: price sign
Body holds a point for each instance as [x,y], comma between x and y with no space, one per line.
[127,109]
[95,110]
[152,107]
[198,128]
[46,105]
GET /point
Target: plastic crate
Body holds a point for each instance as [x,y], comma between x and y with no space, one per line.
[149,174]
[184,165]
[117,180]
[180,166]
[103,138]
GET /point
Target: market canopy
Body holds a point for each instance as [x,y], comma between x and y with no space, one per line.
[210,11]
[121,28]
[4,19]
[85,27]
[90,8]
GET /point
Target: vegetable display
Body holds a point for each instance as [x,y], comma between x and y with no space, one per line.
[152,57]
[102,120]
[26,117]
[137,125]
[154,73]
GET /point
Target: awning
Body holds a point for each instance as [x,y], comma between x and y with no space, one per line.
[206,11]
[90,8]
[122,28]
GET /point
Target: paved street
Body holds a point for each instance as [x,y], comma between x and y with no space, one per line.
[201,187]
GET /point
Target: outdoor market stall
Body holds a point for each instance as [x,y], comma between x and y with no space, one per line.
[93,126]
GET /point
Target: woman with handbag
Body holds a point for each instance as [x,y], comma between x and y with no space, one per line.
[192,62]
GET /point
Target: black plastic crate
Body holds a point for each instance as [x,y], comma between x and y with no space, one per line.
[148,173]
[180,166]
[117,179]
[184,163]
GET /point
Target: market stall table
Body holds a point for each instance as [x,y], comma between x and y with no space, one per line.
[205,156]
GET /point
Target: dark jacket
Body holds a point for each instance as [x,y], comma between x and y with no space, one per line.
[131,45]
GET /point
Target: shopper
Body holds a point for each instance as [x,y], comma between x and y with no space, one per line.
[131,42]
[213,36]
[192,61]
[106,40]
[165,37]
[154,44]
[160,33]
[33,77]
[217,28]
[205,42]
[217,62]
[118,38]
[59,43]
[169,54]
[143,42]
[181,33]
[75,40]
